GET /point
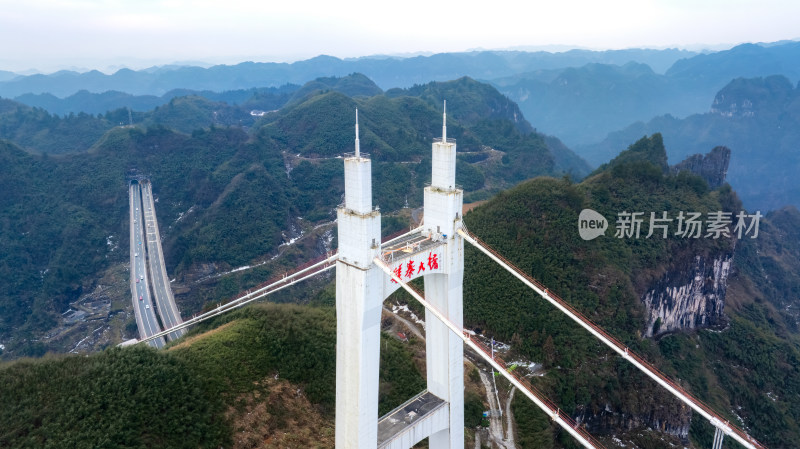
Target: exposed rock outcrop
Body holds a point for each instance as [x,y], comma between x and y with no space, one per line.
[713,167]
[748,98]
[690,298]
[659,411]
[690,295]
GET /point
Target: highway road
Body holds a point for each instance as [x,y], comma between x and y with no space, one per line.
[145,312]
[162,292]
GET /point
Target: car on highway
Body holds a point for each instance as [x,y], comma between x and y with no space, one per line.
[147,306]
[140,297]
[137,281]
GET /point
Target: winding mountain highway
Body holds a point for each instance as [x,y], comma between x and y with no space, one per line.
[145,312]
[162,292]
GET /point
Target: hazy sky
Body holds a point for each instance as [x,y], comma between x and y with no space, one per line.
[52,34]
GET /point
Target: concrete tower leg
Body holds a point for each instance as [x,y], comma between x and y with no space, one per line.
[445,356]
[358,314]
[445,351]
[359,295]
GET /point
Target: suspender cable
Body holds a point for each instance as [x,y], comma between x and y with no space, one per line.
[554,412]
[250,296]
[704,410]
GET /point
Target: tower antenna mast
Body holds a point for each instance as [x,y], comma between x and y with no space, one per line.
[358,149]
[444,123]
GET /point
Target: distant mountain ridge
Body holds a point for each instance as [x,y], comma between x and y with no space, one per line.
[181,109]
[581,105]
[100,103]
[578,95]
[745,60]
[757,118]
[386,72]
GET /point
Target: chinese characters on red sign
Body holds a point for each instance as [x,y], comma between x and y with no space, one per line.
[413,267]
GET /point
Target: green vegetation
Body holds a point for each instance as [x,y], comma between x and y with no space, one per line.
[132,397]
[473,409]
[534,225]
[138,397]
[534,428]
[296,342]
[399,378]
[229,196]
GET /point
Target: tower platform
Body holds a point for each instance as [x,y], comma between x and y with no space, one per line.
[411,245]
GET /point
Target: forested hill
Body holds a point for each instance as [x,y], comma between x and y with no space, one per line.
[230,383]
[54,127]
[732,341]
[230,195]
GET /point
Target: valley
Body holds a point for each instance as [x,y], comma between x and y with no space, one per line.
[245,198]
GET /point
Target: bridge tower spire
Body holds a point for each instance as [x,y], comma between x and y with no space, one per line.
[434,251]
[358,307]
[443,202]
[358,145]
[444,122]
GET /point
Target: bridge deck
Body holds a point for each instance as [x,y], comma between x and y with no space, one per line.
[399,425]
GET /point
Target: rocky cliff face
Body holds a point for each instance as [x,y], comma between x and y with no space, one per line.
[748,98]
[659,411]
[690,298]
[690,295]
[713,167]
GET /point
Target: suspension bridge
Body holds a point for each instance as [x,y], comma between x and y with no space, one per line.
[368,270]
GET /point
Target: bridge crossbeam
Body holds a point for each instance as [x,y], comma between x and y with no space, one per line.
[411,244]
[412,421]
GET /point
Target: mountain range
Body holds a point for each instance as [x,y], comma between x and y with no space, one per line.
[594,102]
[582,104]
[387,72]
[578,95]
[233,195]
[757,118]
[247,183]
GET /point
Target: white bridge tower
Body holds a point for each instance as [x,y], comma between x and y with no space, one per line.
[435,251]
